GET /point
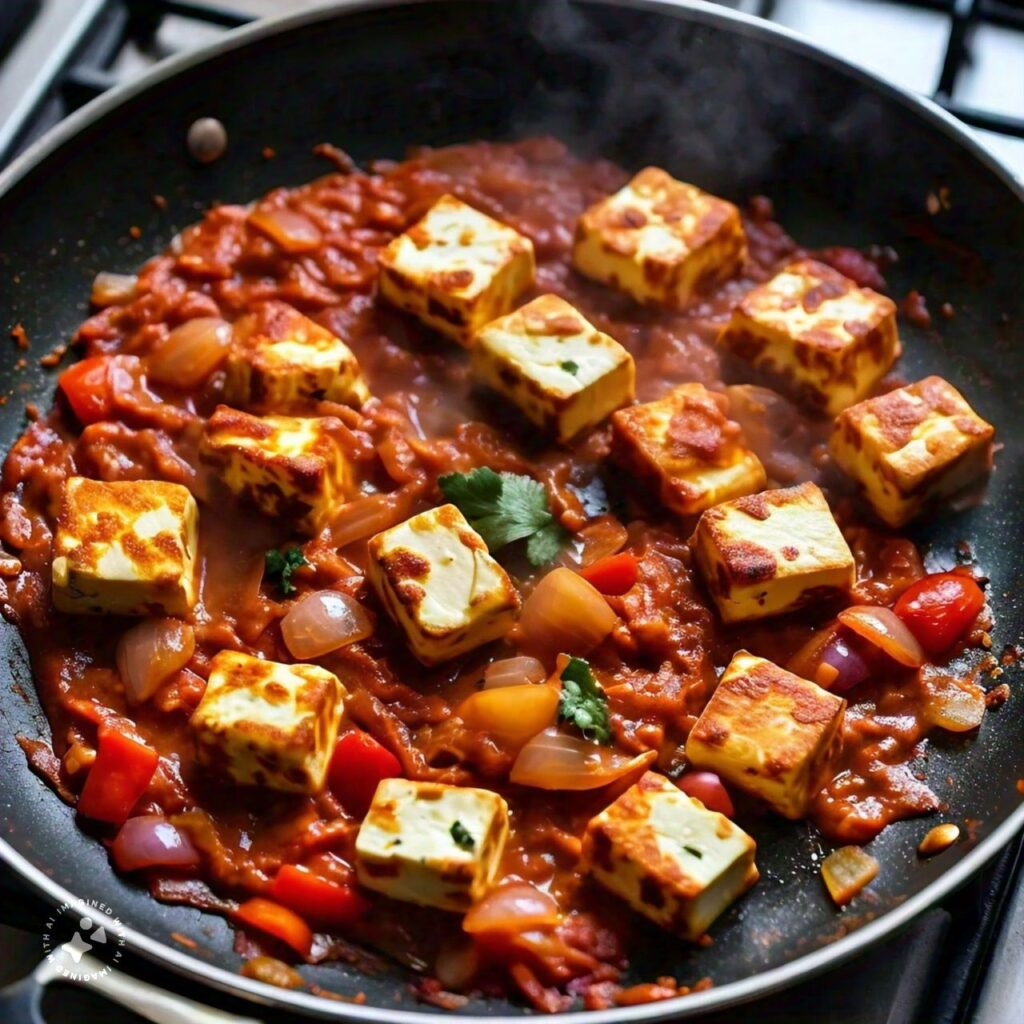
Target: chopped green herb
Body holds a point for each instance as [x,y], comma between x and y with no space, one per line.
[570,366]
[583,702]
[462,837]
[696,853]
[506,507]
[279,565]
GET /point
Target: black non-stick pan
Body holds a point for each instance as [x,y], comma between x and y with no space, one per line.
[718,99]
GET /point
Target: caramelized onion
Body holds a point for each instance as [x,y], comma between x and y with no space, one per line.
[886,630]
[113,289]
[555,760]
[191,352]
[846,871]
[151,652]
[151,841]
[513,672]
[565,614]
[513,907]
[322,622]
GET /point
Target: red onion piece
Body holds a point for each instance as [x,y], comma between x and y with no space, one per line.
[323,622]
[851,668]
[151,841]
[883,628]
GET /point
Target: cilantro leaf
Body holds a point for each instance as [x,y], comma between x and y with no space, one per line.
[583,702]
[280,563]
[461,836]
[694,852]
[506,507]
[570,366]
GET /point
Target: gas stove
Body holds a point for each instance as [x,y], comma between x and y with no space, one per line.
[958,963]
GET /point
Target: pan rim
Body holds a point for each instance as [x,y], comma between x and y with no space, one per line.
[733,993]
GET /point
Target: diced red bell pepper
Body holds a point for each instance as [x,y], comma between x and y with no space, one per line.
[317,899]
[357,767]
[939,609]
[88,389]
[614,574]
[280,922]
[118,777]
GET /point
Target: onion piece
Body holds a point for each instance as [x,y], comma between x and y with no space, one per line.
[151,841]
[362,517]
[113,289]
[956,705]
[514,672]
[846,871]
[883,628]
[555,760]
[324,621]
[191,352]
[831,659]
[292,231]
[151,652]
[457,963]
[513,907]
[708,789]
[564,614]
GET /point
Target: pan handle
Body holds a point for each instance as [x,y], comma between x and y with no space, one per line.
[20,1003]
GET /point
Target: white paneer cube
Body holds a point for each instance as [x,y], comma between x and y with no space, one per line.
[431,844]
[456,269]
[127,548]
[770,733]
[669,857]
[261,723]
[662,241]
[686,450]
[822,339]
[281,361]
[912,446]
[436,579]
[288,467]
[560,370]
[769,553]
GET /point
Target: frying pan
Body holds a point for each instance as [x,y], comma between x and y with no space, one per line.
[719,99]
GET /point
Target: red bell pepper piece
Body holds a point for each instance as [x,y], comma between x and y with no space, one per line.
[614,574]
[280,922]
[357,766]
[939,609]
[88,389]
[120,774]
[317,899]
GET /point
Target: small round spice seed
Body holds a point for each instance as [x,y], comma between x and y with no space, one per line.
[940,838]
[207,140]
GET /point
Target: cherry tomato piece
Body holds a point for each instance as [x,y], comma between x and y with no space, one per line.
[357,766]
[940,608]
[708,789]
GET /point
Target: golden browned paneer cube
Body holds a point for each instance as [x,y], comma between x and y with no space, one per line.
[281,361]
[823,339]
[561,371]
[660,240]
[912,446]
[669,857]
[436,579]
[770,733]
[769,553]
[288,467]
[685,448]
[456,269]
[262,723]
[127,548]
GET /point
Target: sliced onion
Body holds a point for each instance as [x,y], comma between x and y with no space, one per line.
[886,630]
[291,230]
[831,659]
[150,653]
[113,289]
[513,907]
[564,614]
[151,841]
[514,672]
[365,516]
[957,705]
[846,871]
[555,760]
[708,789]
[322,622]
[191,352]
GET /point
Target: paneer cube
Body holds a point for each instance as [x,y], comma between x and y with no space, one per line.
[816,334]
[686,450]
[912,446]
[662,241]
[127,548]
[436,579]
[456,269]
[560,370]
[669,857]
[289,467]
[431,844]
[262,723]
[769,732]
[769,553]
[281,361]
